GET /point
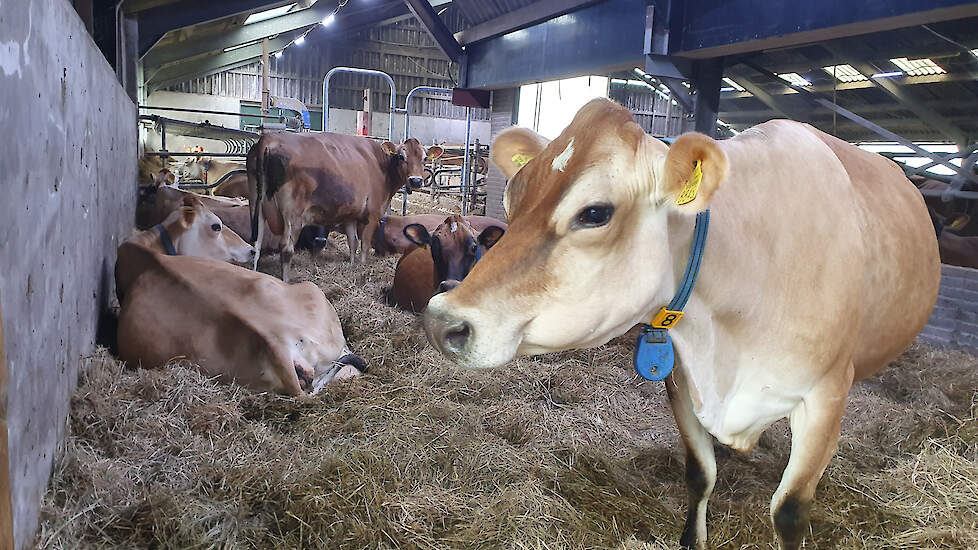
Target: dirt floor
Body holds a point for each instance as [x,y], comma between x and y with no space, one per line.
[569,450]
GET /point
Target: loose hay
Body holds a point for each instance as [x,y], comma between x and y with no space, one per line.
[569,450]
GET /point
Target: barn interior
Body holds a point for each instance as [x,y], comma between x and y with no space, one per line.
[550,452]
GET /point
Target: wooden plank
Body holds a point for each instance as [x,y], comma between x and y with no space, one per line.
[6,504]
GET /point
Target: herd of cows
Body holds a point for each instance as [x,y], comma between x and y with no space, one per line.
[810,279]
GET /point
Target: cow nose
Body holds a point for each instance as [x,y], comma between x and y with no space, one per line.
[447,285]
[415,181]
[449,334]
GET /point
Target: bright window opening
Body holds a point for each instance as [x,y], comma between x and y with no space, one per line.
[732,85]
[548,107]
[910,158]
[268,14]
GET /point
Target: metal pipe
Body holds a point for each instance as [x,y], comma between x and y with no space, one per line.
[206,112]
[169,154]
[971,195]
[407,105]
[390,81]
[211,185]
[466,164]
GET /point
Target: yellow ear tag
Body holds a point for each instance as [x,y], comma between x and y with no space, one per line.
[692,185]
[520,160]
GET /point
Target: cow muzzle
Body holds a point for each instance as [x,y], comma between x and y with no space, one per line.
[415,182]
[447,285]
[466,338]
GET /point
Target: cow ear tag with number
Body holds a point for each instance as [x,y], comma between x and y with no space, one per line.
[654,356]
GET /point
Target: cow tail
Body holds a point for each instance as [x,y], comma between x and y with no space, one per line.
[257,194]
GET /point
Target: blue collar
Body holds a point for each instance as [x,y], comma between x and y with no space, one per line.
[165,237]
[654,354]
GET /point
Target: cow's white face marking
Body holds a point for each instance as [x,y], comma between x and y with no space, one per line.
[454,227]
[561,160]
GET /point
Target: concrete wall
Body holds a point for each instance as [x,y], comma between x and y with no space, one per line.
[68,170]
[426,129]
[954,321]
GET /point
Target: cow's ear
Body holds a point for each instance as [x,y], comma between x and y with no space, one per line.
[435,152]
[187,215]
[694,169]
[491,235]
[417,234]
[389,148]
[960,221]
[514,147]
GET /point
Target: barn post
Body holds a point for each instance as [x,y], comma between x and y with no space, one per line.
[264,77]
[707,78]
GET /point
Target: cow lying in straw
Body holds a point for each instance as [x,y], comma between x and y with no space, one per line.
[180,299]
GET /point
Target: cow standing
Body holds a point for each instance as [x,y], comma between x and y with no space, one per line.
[327,179]
[820,268]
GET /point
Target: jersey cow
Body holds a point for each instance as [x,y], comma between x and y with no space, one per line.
[236,324]
[810,280]
[327,179]
[444,257]
[390,237]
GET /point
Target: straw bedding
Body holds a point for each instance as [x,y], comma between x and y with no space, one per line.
[568,450]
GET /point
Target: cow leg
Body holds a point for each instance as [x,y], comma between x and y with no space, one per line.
[351,240]
[289,238]
[815,425]
[701,465]
[367,237]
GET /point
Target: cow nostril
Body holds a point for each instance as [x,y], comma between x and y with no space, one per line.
[457,337]
[445,286]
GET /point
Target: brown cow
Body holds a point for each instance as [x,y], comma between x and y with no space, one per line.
[157,202]
[444,257]
[820,267]
[390,237]
[327,179]
[234,323]
[235,186]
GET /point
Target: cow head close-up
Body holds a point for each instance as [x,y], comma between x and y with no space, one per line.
[455,248]
[407,160]
[587,253]
[196,231]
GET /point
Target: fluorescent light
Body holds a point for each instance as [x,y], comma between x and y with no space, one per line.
[268,14]
[845,73]
[278,54]
[230,48]
[300,40]
[917,67]
[887,75]
[329,19]
[795,79]
[640,72]
[733,85]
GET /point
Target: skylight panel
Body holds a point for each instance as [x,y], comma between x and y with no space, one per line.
[845,73]
[795,79]
[918,67]
[268,14]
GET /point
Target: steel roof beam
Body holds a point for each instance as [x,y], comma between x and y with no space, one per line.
[541,10]
[436,28]
[349,18]
[155,22]
[862,84]
[175,74]
[925,113]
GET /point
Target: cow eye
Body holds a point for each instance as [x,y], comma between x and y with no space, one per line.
[473,249]
[216,227]
[594,216]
